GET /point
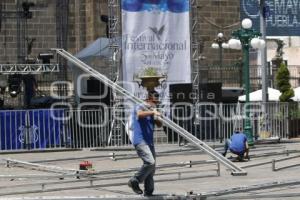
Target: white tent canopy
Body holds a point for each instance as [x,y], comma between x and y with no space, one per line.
[99,48]
[297,94]
[257,95]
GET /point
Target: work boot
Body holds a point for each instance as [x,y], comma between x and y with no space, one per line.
[148,194]
[134,185]
[240,158]
[247,157]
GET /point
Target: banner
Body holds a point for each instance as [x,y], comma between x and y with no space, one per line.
[30,129]
[155,40]
[282,16]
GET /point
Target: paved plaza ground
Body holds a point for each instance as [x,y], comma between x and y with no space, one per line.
[172,181]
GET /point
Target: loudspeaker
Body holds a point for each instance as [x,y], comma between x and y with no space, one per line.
[180,114]
[180,93]
[231,95]
[93,86]
[97,88]
[210,92]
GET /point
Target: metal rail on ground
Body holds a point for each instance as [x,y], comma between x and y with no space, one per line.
[59,187]
[96,181]
[200,196]
[283,159]
[39,167]
[63,172]
[263,186]
[235,170]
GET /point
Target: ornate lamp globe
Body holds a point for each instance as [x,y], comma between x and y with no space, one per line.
[215,45]
[220,35]
[225,46]
[255,43]
[247,23]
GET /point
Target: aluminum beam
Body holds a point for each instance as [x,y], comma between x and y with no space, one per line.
[114,174]
[63,185]
[283,159]
[39,167]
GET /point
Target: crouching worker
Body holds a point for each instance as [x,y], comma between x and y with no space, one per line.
[143,122]
[237,145]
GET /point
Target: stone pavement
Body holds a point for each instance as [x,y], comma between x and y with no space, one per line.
[171,183]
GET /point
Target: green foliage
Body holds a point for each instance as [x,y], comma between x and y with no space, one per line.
[150,71]
[294,110]
[294,114]
[283,83]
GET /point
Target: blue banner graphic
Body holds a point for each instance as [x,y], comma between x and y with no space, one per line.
[282,16]
[30,129]
[176,6]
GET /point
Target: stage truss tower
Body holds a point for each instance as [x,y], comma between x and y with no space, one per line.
[62,16]
[195,48]
[115,38]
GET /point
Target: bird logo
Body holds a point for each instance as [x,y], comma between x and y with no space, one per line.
[157,32]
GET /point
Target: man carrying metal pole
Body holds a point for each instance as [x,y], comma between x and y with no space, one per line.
[143,122]
[235,170]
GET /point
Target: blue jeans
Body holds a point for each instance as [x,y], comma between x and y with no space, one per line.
[227,146]
[146,172]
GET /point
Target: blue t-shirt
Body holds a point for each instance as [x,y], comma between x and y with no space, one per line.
[143,128]
[238,142]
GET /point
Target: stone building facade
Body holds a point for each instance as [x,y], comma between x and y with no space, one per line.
[74,24]
[217,16]
[68,24]
[84,26]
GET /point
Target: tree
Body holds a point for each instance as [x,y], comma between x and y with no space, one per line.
[283,83]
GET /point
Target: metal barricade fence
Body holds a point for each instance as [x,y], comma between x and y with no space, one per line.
[294,120]
[208,122]
[50,129]
[32,129]
[91,128]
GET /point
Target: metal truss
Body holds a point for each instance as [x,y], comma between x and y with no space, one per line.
[114,34]
[195,47]
[28,68]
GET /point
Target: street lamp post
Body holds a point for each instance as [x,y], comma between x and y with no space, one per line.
[220,43]
[243,38]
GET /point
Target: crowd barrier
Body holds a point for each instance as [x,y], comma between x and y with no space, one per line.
[94,128]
